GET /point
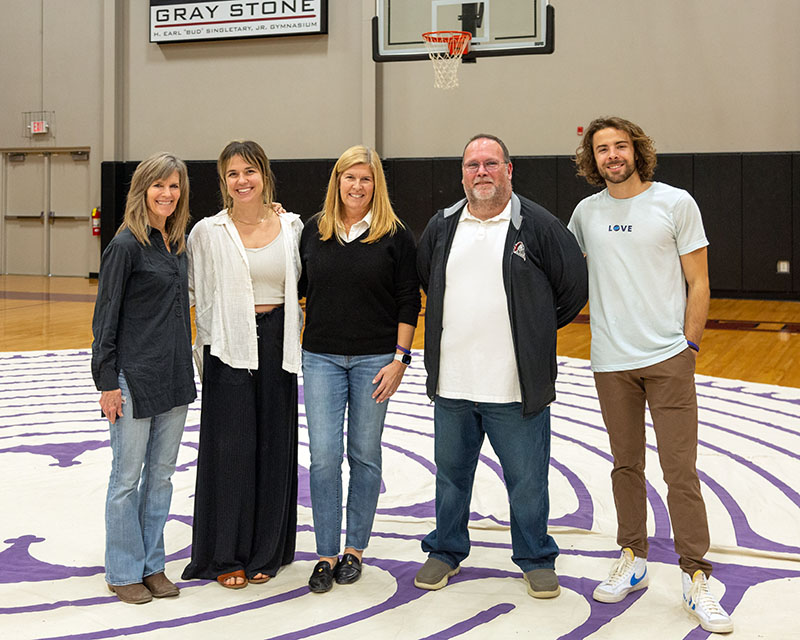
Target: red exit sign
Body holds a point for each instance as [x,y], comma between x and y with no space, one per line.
[39,126]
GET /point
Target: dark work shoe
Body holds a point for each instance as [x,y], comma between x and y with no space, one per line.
[347,570]
[434,574]
[321,579]
[542,583]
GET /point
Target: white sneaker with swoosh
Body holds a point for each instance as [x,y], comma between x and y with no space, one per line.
[628,574]
[701,603]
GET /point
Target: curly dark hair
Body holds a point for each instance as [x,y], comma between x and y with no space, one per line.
[644,149]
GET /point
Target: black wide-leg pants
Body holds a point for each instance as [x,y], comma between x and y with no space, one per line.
[245,510]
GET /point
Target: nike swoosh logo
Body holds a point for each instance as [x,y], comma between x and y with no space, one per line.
[635,580]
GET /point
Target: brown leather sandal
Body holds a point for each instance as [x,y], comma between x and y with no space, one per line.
[233,574]
[264,578]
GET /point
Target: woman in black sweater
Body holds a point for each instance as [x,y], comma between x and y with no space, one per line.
[362,302]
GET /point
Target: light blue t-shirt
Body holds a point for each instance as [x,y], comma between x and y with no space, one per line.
[637,290]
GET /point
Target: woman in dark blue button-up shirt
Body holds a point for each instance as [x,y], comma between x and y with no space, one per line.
[142,364]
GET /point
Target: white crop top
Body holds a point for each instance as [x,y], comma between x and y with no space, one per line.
[268,272]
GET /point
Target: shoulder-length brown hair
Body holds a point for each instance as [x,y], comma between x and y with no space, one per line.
[384,220]
[158,167]
[253,154]
[644,150]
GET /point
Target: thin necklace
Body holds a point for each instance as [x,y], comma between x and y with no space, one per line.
[259,221]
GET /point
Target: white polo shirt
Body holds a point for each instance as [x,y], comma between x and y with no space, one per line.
[476,359]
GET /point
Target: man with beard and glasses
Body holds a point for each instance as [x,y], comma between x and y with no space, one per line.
[502,275]
[644,243]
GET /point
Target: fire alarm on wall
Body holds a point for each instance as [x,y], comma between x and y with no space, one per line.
[580,131]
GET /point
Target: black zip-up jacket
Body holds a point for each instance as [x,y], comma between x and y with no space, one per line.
[546,283]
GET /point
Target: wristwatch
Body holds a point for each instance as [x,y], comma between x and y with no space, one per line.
[405,358]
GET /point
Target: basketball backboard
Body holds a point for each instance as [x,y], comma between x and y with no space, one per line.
[498,27]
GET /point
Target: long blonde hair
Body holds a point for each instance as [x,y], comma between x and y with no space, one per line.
[253,154]
[384,219]
[157,167]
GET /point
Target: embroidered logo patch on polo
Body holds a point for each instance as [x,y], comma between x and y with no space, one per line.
[519,249]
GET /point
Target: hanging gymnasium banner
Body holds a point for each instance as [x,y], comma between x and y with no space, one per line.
[187,20]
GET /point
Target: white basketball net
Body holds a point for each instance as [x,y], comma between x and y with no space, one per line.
[445,49]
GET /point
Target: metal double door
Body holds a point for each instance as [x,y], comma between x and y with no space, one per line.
[47,214]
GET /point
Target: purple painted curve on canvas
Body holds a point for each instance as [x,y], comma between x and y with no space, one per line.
[84,602]
[62,361]
[420,460]
[17,565]
[39,408]
[598,617]
[746,436]
[185,620]
[571,365]
[416,432]
[737,578]
[588,425]
[403,572]
[583,516]
[573,480]
[88,393]
[660,513]
[770,395]
[41,607]
[749,419]
[64,453]
[303,486]
[416,510]
[30,381]
[717,384]
[180,554]
[37,434]
[589,395]
[98,421]
[41,388]
[481,618]
[600,614]
[779,484]
[186,466]
[745,536]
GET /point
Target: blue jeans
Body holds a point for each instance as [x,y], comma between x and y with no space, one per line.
[139,490]
[332,383]
[523,447]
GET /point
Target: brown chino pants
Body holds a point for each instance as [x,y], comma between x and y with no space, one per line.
[669,390]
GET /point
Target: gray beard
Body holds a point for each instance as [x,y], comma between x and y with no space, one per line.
[494,203]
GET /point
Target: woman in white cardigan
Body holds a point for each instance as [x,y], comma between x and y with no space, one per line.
[243,271]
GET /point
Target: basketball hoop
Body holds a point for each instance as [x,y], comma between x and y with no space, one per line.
[445,49]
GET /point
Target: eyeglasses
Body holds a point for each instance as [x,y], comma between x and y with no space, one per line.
[490,165]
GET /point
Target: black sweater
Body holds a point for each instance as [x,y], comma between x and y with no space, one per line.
[357,293]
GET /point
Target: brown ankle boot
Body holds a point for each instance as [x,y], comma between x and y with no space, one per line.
[132,593]
[161,586]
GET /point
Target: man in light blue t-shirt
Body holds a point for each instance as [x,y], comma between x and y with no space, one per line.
[644,243]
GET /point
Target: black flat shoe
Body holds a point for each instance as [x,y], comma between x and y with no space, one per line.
[321,579]
[347,570]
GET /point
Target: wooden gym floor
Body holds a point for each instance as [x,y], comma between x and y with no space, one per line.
[753,340]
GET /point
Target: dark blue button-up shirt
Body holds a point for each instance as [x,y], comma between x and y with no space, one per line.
[142,326]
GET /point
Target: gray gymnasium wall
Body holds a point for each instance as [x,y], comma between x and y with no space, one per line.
[702,77]
[710,76]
